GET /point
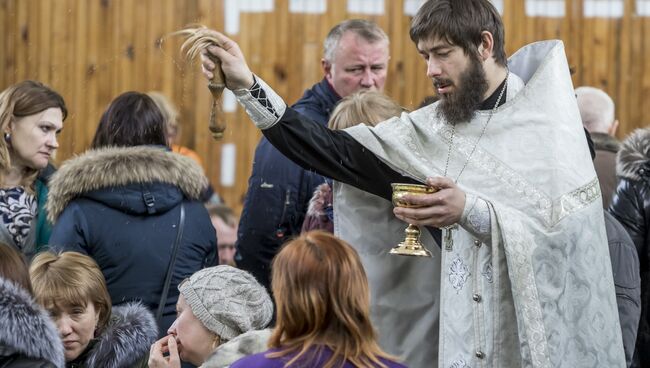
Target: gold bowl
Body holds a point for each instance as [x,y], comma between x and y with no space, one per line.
[400,190]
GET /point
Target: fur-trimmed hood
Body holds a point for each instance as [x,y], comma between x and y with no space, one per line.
[115,175]
[26,328]
[126,340]
[633,157]
[249,343]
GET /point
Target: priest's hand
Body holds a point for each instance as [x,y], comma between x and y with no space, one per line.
[439,209]
[233,63]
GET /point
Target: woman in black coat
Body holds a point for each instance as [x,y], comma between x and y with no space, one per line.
[120,203]
[631,207]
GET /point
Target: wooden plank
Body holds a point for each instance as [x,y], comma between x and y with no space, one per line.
[22,33]
[44,43]
[91,73]
[141,48]
[126,38]
[4,20]
[9,44]
[395,86]
[645,75]
[169,48]
[624,65]
[79,20]
[599,60]
[634,117]
[155,36]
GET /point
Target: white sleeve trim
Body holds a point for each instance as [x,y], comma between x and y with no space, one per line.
[261,103]
[476,218]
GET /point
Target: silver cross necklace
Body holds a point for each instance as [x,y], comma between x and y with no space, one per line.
[449,242]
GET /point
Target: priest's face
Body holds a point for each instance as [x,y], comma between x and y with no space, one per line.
[459,79]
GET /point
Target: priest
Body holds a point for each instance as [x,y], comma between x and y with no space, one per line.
[522,277]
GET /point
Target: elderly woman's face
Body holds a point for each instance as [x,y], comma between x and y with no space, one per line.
[195,342]
[76,325]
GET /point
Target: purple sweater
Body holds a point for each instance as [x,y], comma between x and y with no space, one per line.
[311,361]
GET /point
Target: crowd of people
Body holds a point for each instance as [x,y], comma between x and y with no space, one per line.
[123,257]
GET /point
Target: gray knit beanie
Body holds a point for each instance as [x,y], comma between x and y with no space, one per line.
[227,300]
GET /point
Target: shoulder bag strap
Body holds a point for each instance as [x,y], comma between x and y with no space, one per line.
[170,268]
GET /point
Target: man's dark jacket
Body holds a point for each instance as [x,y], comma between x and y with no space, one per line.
[279,192]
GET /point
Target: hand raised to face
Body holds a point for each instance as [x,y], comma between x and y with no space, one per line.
[157,358]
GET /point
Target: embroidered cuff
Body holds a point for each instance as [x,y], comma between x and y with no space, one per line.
[476,218]
[262,104]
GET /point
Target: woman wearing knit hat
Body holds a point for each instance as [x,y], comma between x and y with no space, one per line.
[323,309]
[221,314]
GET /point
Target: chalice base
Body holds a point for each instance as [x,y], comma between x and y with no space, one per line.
[411,246]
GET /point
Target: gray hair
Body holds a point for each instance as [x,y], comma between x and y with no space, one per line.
[366,29]
[596,109]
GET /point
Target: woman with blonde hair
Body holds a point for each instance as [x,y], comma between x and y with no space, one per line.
[364,107]
[72,289]
[31,117]
[323,309]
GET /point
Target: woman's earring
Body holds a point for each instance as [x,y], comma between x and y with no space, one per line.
[7,137]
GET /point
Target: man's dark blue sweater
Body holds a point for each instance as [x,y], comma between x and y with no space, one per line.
[279,192]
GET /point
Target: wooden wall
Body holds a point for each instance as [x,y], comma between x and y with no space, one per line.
[92,50]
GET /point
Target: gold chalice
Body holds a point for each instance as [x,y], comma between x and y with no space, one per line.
[411,246]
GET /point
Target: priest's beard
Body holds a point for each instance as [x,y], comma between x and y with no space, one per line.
[460,105]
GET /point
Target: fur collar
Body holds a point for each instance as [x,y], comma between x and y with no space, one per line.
[634,155]
[118,166]
[321,199]
[26,328]
[127,338]
[249,343]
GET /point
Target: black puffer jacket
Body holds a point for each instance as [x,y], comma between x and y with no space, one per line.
[631,206]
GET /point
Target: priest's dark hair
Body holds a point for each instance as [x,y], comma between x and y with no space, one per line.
[132,119]
[460,23]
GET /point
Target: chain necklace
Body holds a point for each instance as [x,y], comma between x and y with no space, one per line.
[448,239]
[453,132]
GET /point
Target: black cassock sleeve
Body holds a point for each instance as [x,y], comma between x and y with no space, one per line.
[332,153]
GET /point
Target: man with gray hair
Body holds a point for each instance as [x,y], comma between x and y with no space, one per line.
[355,57]
[597,113]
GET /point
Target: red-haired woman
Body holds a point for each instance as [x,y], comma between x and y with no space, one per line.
[323,313]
